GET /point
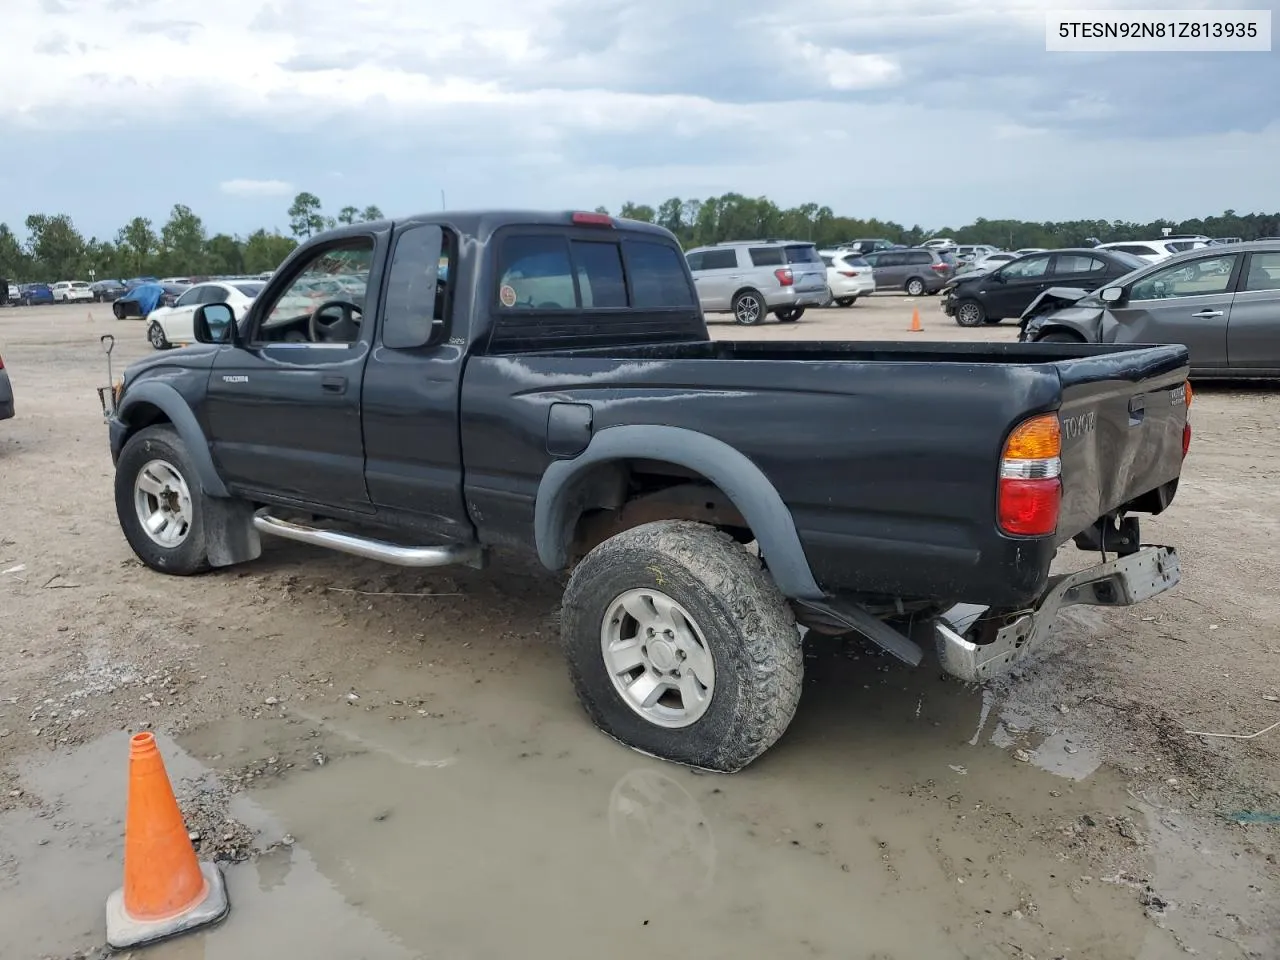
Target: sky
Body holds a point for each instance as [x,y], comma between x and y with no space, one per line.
[931,113]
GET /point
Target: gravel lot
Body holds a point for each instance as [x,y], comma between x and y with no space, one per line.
[391,763]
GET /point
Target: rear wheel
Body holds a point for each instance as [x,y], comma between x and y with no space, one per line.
[117,309]
[789,315]
[159,502]
[970,313]
[748,308]
[846,301]
[1059,338]
[680,646]
[915,287]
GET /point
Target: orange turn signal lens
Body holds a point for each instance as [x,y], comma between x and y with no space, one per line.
[1039,438]
[1187,387]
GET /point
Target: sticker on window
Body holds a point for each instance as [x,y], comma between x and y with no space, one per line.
[507,295]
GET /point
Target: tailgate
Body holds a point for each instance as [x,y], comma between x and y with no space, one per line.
[1122,421]
[807,269]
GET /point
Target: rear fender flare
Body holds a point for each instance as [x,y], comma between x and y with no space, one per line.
[170,402]
[737,477]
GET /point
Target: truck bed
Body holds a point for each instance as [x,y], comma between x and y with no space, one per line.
[885,454]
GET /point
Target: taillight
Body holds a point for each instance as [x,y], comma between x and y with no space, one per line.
[940,267]
[848,273]
[1,363]
[1186,427]
[593,219]
[1030,485]
[785,276]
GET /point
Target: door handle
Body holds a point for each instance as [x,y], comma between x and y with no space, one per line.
[1207,314]
[334,384]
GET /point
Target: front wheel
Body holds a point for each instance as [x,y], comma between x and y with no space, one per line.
[159,502]
[1059,338]
[970,313]
[680,646]
[789,315]
[156,337]
[915,287]
[748,308]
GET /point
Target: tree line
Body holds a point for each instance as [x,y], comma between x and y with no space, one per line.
[54,249]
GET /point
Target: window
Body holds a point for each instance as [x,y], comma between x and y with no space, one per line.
[190,298]
[827,261]
[600,280]
[414,307]
[1195,279]
[214,294]
[1137,250]
[535,273]
[695,261]
[1026,269]
[726,259]
[337,276]
[1074,263]
[891,260]
[918,258]
[657,281]
[851,260]
[249,289]
[766,256]
[802,253]
[1264,272]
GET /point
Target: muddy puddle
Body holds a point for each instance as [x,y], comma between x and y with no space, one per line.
[435,815]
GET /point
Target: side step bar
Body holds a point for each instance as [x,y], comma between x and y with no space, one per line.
[441,556]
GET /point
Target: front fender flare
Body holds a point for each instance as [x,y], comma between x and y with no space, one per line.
[170,402]
[737,477]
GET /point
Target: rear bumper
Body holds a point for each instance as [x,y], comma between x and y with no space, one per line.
[790,297]
[974,646]
[853,287]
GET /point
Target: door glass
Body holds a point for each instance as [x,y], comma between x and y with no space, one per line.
[212,294]
[1076,263]
[190,298]
[766,256]
[337,275]
[1264,272]
[1195,279]
[416,289]
[720,260]
[1027,269]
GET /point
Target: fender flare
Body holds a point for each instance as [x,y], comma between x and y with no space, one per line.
[171,403]
[737,477]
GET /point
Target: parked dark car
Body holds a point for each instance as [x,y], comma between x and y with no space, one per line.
[141,299]
[31,294]
[884,485]
[975,299]
[8,292]
[107,291]
[914,269]
[1221,302]
[6,393]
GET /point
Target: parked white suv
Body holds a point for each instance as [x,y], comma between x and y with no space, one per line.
[752,278]
[1153,251]
[848,276]
[65,291]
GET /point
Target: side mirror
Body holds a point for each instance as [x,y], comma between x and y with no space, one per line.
[1111,294]
[215,323]
[998,276]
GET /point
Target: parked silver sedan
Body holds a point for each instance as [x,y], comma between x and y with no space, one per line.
[1223,303]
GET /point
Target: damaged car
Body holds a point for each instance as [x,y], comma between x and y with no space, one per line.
[1223,306]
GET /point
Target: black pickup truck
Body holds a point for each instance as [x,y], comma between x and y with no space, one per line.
[423,390]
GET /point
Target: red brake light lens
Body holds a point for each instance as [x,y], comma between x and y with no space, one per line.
[785,276]
[593,219]
[1029,508]
[940,267]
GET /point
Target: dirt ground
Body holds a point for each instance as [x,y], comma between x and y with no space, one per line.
[391,764]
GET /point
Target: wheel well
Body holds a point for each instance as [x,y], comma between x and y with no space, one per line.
[1059,332]
[739,292]
[142,415]
[621,494]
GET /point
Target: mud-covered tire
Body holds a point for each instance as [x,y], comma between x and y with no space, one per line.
[743,619]
[161,444]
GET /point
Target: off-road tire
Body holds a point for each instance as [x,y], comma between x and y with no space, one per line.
[746,623]
[914,287]
[970,313]
[759,315]
[161,442]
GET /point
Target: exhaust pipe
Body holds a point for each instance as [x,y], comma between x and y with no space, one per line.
[370,549]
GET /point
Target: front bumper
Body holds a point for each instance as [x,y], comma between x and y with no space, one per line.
[976,646]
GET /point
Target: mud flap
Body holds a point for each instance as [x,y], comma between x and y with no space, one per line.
[229,531]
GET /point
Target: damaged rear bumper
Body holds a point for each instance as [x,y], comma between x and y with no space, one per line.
[975,644]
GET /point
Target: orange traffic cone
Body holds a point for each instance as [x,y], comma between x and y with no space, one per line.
[166,890]
[916,325]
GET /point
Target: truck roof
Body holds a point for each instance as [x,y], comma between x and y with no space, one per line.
[482,224]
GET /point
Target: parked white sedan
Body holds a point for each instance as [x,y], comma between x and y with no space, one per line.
[67,291]
[175,326]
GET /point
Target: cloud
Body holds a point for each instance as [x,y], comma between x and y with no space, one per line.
[256,188]
[915,110]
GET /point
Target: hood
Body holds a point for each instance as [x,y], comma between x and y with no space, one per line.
[1058,297]
[198,356]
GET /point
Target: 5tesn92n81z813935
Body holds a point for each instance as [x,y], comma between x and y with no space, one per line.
[423,390]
